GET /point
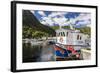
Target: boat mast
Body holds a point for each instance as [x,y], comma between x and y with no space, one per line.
[71,24]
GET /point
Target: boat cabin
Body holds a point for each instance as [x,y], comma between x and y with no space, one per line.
[70,37]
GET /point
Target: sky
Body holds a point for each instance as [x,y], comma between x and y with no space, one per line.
[62,18]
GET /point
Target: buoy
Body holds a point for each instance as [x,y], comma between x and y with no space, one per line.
[61,39]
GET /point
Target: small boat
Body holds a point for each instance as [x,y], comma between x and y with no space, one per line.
[63,54]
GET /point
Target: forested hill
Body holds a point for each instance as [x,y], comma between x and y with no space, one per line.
[85,30]
[32,25]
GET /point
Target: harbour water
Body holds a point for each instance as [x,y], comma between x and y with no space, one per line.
[38,51]
[44,51]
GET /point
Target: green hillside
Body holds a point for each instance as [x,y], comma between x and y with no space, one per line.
[85,30]
[32,28]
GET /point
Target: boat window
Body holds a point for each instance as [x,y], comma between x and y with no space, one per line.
[57,34]
[77,37]
[80,37]
[63,34]
[67,33]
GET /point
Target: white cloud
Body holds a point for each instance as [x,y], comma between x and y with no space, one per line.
[61,20]
[47,21]
[51,19]
[84,16]
[54,14]
[84,19]
[85,22]
[41,13]
[88,25]
[32,11]
[43,22]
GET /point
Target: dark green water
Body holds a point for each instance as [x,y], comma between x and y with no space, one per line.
[38,53]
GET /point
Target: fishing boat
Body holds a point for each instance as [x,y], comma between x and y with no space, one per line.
[69,42]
